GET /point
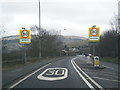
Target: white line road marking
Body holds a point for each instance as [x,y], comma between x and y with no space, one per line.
[89,85]
[88,76]
[108,67]
[28,76]
[106,79]
[53,72]
[104,74]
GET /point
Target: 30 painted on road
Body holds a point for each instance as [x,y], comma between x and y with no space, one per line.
[53,74]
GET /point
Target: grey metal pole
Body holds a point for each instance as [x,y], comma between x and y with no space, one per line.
[24,51]
[93,50]
[60,41]
[93,53]
[25,60]
[24,54]
[40,32]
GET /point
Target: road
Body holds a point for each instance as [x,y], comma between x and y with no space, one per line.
[70,72]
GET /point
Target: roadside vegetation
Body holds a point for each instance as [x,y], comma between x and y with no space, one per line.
[18,63]
[109,59]
[107,48]
[77,43]
[48,43]
[51,45]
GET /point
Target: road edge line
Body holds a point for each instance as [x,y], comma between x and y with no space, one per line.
[99,86]
[12,86]
[83,78]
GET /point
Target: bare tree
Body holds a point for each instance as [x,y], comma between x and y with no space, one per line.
[108,46]
[50,43]
[115,24]
[34,30]
[2,31]
[3,34]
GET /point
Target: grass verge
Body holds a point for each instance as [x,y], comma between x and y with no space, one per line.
[109,59]
[18,64]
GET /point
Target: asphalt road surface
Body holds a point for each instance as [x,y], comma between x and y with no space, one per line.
[71,72]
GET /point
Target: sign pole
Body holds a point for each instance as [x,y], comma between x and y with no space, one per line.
[94,38]
[24,50]
[24,53]
[93,53]
[93,50]
[24,38]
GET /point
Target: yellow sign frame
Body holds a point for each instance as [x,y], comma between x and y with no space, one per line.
[94,36]
[23,39]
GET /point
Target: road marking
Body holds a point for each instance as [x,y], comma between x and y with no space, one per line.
[104,74]
[52,74]
[88,76]
[106,79]
[89,85]
[28,76]
[108,67]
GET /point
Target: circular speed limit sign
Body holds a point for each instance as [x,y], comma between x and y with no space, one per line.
[25,33]
[94,31]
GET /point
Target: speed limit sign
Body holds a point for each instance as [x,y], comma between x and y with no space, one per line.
[94,34]
[25,33]
[24,36]
[94,31]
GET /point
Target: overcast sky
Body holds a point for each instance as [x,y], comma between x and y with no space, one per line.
[76,16]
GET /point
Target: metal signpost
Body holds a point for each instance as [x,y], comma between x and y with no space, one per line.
[24,38]
[94,38]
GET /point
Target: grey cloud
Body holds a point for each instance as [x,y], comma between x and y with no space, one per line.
[75,12]
[79,12]
[20,8]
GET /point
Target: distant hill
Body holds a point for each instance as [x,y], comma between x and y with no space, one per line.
[73,38]
[73,41]
[13,41]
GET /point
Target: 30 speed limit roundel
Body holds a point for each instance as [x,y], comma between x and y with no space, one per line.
[94,31]
[25,33]
[94,34]
[24,36]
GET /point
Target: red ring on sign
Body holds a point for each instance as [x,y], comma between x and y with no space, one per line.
[27,32]
[92,34]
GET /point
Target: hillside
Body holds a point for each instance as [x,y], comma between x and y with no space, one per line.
[73,41]
[12,42]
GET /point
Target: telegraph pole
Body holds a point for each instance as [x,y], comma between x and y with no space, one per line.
[39,32]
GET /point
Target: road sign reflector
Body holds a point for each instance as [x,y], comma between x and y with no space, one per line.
[96,61]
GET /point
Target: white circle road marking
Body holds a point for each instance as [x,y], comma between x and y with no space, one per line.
[52,74]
